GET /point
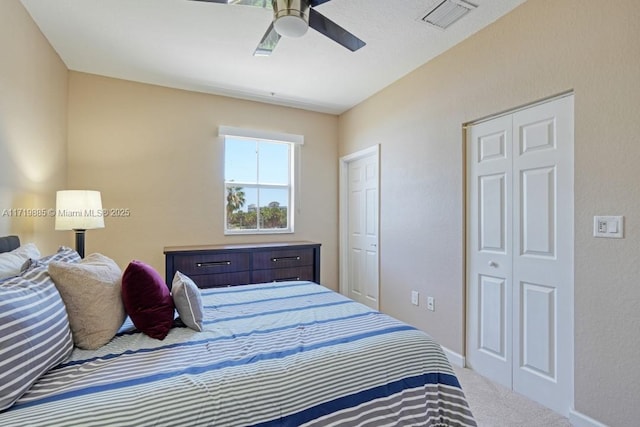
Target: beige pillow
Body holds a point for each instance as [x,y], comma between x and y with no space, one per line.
[90,290]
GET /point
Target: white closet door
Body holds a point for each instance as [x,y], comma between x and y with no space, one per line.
[489,247]
[520,290]
[543,253]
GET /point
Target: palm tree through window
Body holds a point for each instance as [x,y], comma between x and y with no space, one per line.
[258,186]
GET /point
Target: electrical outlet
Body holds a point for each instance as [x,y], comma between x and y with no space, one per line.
[431,303]
[415,297]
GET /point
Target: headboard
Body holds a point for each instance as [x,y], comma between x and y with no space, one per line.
[9,243]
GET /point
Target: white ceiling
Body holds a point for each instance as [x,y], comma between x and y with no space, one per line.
[208,47]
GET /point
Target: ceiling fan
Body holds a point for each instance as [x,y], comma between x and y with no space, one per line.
[292,18]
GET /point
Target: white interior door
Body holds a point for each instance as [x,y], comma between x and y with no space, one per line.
[489,243]
[520,289]
[543,253]
[359,222]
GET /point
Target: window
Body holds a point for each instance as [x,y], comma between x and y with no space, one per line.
[258,181]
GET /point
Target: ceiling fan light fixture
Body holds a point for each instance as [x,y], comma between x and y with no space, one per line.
[291,17]
[291,26]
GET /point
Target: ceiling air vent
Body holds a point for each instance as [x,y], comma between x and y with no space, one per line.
[447,12]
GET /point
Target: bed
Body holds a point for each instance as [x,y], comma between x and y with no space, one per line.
[273,354]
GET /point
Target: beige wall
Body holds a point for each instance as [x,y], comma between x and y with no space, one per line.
[156,152]
[543,48]
[33,125]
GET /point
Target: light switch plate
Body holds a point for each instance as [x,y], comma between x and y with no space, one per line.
[415,298]
[608,226]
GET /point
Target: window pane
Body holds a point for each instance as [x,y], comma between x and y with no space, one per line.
[258,185]
[273,208]
[240,160]
[241,205]
[273,163]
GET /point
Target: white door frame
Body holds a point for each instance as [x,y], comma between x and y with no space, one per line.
[344,213]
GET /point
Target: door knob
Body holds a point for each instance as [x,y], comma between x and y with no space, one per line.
[493,264]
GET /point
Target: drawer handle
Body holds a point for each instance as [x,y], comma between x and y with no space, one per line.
[286,258]
[287,279]
[212,263]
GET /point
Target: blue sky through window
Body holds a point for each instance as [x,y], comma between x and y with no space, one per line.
[244,166]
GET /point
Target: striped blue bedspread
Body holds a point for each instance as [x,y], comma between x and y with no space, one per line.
[288,354]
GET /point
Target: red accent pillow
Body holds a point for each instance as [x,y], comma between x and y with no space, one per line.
[147,300]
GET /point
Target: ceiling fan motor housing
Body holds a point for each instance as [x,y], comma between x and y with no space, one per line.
[291,17]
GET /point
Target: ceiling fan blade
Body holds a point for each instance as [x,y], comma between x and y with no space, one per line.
[314,3]
[335,32]
[268,42]
[266,4]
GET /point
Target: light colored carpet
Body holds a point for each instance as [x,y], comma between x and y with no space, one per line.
[496,406]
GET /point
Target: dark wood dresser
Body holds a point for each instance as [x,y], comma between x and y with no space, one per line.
[230,265]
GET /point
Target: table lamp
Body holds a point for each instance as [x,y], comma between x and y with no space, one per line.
[79,210]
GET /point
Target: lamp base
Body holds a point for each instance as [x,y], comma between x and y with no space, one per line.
[80,242]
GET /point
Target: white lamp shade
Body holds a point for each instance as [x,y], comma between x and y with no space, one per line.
[79,210]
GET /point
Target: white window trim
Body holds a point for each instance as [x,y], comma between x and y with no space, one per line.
[260,134]
[297,141]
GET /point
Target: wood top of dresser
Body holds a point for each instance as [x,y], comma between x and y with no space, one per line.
[247,246]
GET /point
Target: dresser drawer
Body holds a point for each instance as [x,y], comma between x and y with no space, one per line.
[192,265]
[211,266]
[221,280]
[283,274]
[282,258]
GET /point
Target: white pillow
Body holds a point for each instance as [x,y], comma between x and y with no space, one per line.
[188,301]
[11,262]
